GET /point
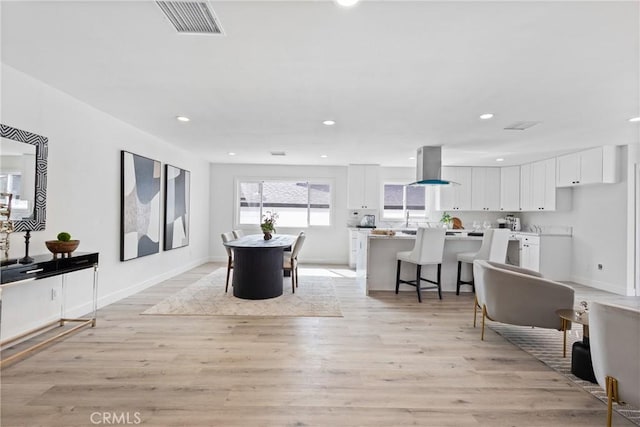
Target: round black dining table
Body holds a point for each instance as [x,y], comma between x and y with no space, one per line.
[258,265]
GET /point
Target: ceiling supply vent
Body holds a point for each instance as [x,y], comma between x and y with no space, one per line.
[278,153]
[521,125]
[191,17]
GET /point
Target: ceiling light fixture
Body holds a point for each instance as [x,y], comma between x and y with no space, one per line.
[324,156]
[634,119]
[347,3]
[231,153]
[486,116]
[412,158]
[329,122]
[499,159]
[183,119]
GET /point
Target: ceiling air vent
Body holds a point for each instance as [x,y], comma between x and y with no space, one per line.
[278,153]
[521,125]
[191,17]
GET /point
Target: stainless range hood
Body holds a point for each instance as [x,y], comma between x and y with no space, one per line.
[429,167]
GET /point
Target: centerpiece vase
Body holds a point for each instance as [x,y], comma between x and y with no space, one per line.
[267,235]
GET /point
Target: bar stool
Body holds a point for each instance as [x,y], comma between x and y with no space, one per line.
[428,250]
[493,248]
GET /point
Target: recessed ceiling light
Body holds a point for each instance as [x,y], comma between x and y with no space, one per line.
[412,158]
[329,122]
[635,119]
[231,153]
[324,156]
[486,116]
[499,159]
[183,119]
[347,3]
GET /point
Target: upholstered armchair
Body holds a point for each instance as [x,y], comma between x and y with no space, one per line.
[614,335]
[517,296]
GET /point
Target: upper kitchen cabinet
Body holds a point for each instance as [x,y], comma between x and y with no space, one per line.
[485,189]
[510,188]
[364,187]
[455,197]
[594,166]
[538,186]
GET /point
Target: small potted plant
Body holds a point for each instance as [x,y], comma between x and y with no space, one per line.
[446,220]
[268,224]
[64,245]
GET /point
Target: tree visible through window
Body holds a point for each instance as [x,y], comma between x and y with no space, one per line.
[298,203]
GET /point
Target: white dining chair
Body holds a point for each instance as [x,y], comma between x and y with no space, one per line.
[493,248]
[428,250]
[614,338]
[238,233]
[290,261]
[227,237]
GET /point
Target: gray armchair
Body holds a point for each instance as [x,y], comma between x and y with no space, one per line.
[517,296]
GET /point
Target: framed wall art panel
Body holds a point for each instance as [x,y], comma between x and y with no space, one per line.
[176,207]
[140,206]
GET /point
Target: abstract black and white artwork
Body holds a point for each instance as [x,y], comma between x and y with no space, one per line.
[176,207]
[140,218]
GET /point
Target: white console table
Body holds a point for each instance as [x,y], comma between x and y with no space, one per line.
[44,266]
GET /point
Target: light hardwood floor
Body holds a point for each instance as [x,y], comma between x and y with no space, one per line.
[389,361]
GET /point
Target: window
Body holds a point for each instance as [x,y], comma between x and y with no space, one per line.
[298,203]
[400,199]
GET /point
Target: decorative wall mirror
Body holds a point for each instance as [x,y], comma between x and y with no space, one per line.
[23,175]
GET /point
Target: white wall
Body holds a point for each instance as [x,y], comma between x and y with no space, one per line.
[600,234]
[322,245]
[83,198]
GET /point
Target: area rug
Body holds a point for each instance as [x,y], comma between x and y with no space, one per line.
[314,297]
[546,346]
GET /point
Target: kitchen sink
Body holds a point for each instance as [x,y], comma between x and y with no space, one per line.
[407,231]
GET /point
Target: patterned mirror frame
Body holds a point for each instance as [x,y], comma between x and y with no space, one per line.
[39,216]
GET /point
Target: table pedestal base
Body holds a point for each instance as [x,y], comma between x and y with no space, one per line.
[257,273]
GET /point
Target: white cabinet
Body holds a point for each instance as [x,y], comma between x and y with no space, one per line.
[364,186]
[550,255]
[485,189]
[510,188]
[455,197]
[530,252]
[538,186]
[353,248]
[594,166]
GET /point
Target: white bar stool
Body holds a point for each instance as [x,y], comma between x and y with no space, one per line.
[428,250]
[493,248]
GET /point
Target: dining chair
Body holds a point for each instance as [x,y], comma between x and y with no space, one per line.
[291,261]
[238,233]
[227,237]
[493,248]
[614,338]
[428,250]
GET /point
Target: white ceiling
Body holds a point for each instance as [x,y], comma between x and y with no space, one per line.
[395,75]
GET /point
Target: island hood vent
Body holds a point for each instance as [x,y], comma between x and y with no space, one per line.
[429,167]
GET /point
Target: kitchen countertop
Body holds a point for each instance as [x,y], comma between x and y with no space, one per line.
[412,237]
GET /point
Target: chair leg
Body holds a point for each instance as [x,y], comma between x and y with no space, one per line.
[418,271]
[475,310]
[398,276]
[293,277]
[612,395]
[439,275]
[297,274]
[458,281]
[226,286]
[484,315]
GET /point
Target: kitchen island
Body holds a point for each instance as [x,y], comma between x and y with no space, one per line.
[377,261]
